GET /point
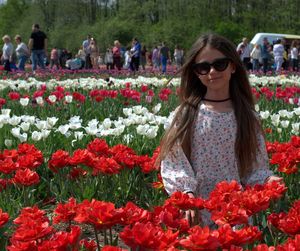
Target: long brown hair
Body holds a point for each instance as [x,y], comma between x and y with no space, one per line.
[192,91]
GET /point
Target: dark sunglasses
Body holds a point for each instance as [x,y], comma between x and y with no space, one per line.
[204,68]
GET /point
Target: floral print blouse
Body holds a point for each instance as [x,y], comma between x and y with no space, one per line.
[212,156]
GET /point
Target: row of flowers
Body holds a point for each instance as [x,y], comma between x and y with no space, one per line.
[94,82]
[164,227]
[17,166]
[146,123]
[42,96]
[100,158]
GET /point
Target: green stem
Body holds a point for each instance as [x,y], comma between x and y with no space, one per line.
[97,238]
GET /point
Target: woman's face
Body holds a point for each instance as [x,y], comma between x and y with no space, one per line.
[213,69]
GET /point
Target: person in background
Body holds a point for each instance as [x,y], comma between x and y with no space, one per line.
[127,57]
[38,43]
[164,56]
[143,57]
[117,55]
[245,53]
[87,52]
[278,51]
[75,63]
[294,55]
[178,57]
[265,54]
[94,53]
[7,52]
[216,134]
[135,55]
[255,56]
[109,59]
[54,60]
[155,57]
[81,55]
[22,53]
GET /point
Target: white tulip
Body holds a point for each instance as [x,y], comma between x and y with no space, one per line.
[63,129]
[264,114]
[106,123]
[4,119]
[283,113]
[285,123]
[91,130]
[69,99]
[256,107]
[8,142]
[152,132]
[78,135]
[16,131]
[127,111]
[52,98]
[36,136]
[39,100]
[5,111]
[14,120]
[119,122]
[290,115]
[297,111]
[25,126]
[75,119]
[41,124]
[23,137]
[156,108]
[279,130]
[51,122]
[138,109]
[275,119]
[118,131]
[24,101]
[142,129]
[128,122]
[295,128]
[45,133]
[29,119]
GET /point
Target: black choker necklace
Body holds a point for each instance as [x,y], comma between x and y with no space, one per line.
[216,100]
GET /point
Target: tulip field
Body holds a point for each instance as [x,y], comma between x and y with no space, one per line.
[78,170]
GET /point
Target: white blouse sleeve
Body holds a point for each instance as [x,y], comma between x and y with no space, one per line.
[261,169]
[177,172]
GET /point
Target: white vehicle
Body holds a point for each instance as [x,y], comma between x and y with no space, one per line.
[273,37]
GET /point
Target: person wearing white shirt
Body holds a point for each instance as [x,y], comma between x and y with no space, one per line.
[244,51]
[7,52]
[22,52]
[294,55]
[278,51]
[255,55]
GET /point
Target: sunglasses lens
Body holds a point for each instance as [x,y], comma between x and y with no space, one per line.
[202,68]
[220,65]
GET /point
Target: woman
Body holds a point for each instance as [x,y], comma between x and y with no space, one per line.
[117,55]
[7,52]
[94,53]
[215,134]
[22,52]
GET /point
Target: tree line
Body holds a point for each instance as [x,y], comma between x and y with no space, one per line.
[178,22]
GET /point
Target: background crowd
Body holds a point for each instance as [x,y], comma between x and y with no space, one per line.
[116,57]
[263,57]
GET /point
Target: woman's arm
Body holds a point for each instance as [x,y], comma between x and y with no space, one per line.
[177,172]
